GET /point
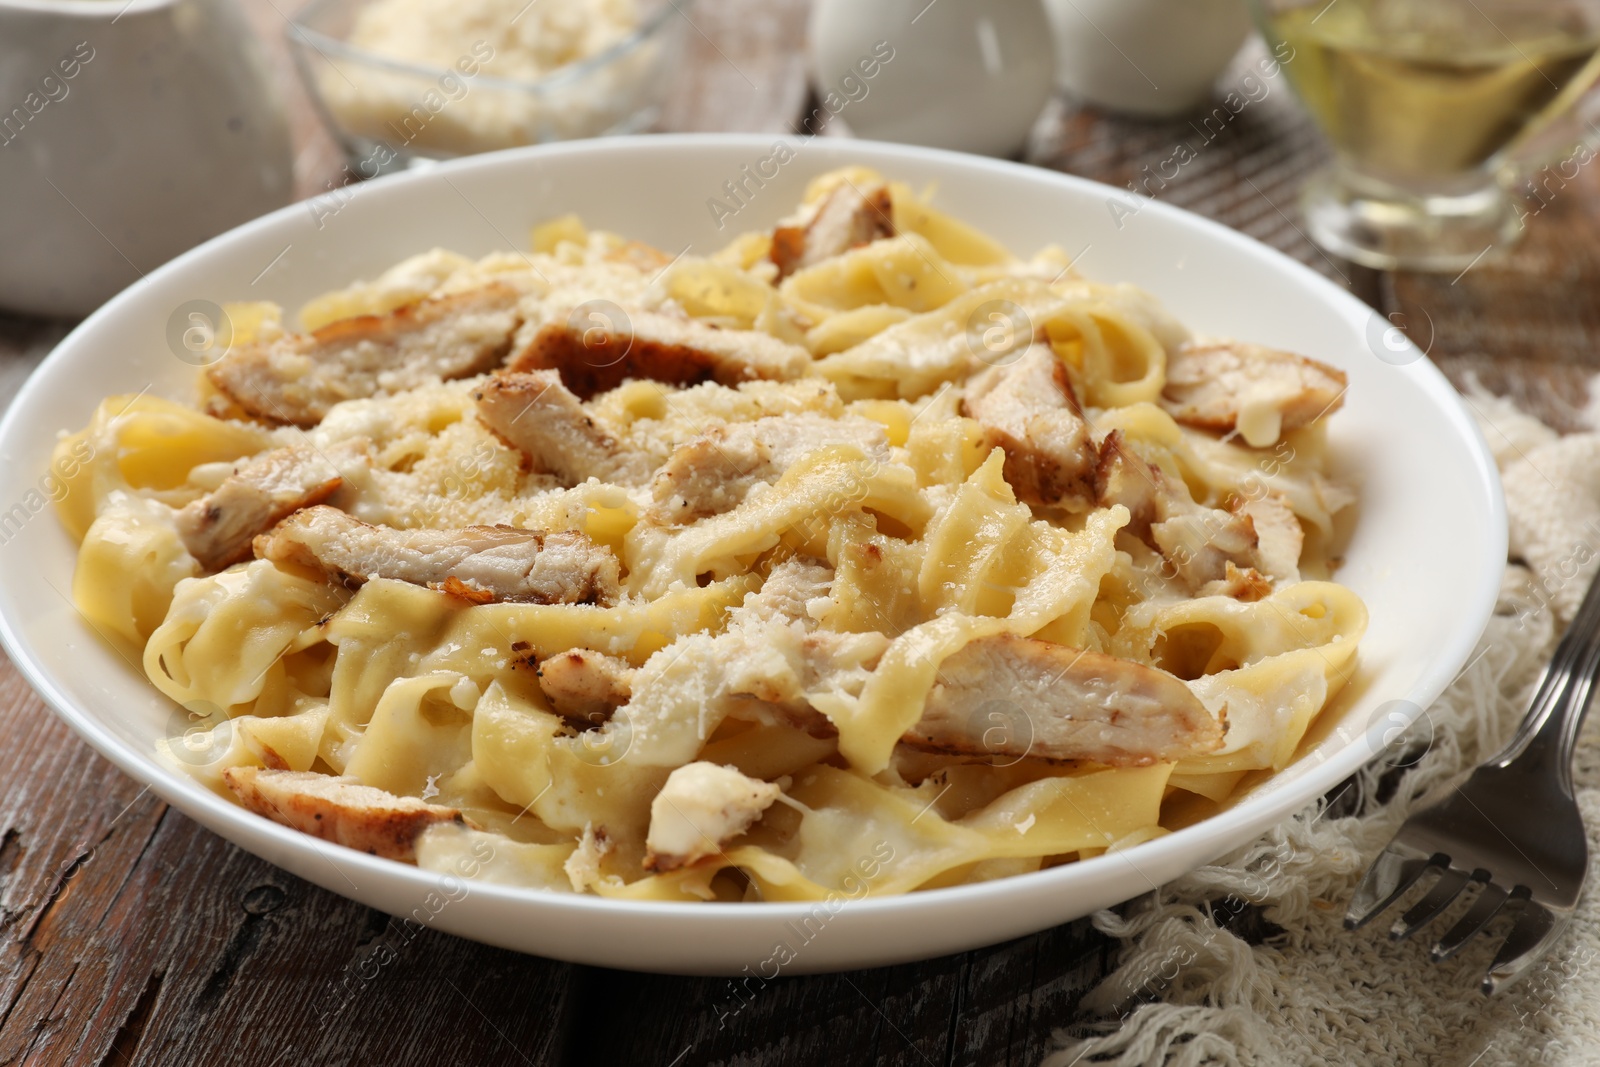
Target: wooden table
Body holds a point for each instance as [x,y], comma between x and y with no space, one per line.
[128,934]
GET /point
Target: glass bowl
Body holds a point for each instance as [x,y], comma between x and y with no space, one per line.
[388,113]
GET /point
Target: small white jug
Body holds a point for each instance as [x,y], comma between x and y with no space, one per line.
[130,130]
[971,75]
[1156,58]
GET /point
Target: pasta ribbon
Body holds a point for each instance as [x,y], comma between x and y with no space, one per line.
[225,638]
[129,563]
[902,272]
[141,443]
[914,357]
[831,480]
[1056,576]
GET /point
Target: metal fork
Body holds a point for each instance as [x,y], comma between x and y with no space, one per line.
[1513,827]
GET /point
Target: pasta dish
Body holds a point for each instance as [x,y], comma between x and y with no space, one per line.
[860,556]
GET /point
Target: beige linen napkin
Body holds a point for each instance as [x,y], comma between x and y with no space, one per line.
[1189,992]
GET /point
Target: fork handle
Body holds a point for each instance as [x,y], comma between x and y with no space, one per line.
[1551,726]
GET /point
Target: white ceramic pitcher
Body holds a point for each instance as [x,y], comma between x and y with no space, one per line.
[966,74]
[130,130]
[1155,58]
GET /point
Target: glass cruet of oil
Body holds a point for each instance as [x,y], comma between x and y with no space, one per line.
[1425,103]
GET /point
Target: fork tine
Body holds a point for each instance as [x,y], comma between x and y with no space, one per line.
[1537,927]
[1477,917]
[1392,873]
[1450,884]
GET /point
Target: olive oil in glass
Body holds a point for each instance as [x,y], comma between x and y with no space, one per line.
[1422,101]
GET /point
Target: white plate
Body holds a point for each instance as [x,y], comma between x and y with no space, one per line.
[1426,553]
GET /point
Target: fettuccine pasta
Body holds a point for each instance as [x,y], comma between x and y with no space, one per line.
[858,556]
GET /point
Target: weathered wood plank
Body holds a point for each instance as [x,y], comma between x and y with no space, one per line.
[742,69]
[318,160]
[992,1006]
[1016,994]
[1524,321]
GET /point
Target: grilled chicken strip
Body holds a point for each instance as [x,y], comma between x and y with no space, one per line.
[1198,542]
[682,694]
[848,217]
[715,472]
[1279,533]
[1015,696]
[593,358]
[1260,392]
[701,807]
[1202,542]
[1120,477]
[584,685]
[539,416]
[341,810]
[262,490]
[1027,408]
[1047,700]
[1062,704]
[479,564]
[298,377]
[1247,584]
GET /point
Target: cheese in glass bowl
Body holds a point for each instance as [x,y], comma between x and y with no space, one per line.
[405,80]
